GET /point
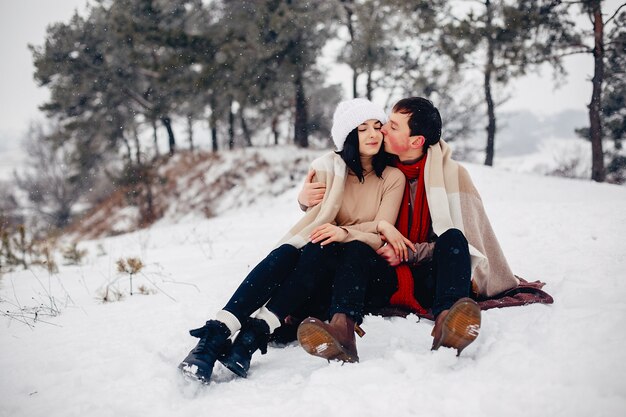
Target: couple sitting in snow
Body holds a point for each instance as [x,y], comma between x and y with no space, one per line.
[395,223]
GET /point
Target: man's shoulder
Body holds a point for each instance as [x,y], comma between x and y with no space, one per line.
[466,185]
[463,172]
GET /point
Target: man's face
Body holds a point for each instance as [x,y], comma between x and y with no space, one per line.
[397,134]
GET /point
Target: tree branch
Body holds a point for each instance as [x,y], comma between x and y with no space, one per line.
[615,14]
[581,51]
[148,73]
[137,97]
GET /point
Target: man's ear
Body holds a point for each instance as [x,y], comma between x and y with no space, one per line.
[418,141]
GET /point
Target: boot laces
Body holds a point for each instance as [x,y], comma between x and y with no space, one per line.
[202,334]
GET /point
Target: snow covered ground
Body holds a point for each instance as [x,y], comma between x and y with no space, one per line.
[120,358]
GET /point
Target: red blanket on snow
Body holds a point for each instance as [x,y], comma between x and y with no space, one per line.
[525,293]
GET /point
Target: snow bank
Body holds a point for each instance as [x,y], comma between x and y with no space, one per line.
[120,358]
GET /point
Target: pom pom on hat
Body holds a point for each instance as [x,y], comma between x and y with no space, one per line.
[350,114]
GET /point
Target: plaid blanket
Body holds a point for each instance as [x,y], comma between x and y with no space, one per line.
[331,170]
[454,202]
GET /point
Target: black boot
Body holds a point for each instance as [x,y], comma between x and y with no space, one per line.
[214,339]
[254,334]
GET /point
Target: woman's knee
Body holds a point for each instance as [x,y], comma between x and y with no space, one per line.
[285,253]
[286,250]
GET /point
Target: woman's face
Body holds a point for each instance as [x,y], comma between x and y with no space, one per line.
[370,137]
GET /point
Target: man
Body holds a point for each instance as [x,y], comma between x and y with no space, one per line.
[428,261]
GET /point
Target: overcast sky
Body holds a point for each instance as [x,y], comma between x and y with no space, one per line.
[25,21]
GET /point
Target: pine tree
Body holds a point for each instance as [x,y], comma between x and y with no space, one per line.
[368,49]
[602,53]
[510,37]
[611,118]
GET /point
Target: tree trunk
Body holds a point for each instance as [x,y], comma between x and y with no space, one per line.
[369,67]
[491,114]
[301,131]
[129,152]
[347,5]
[595,122]
[213,123]
[368,85]
[154,137]
[190,131]
[231,128]
[275,129]
[214,138]
[167,122]
[244,128]
[137,146]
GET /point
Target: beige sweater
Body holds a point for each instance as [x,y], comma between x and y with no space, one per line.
[355,206]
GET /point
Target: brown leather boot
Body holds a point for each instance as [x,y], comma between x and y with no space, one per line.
[332,341]
[457,327]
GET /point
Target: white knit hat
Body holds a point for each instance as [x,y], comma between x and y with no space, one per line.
[350,114]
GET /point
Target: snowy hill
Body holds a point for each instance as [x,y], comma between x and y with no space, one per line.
[201,184]
[120,358]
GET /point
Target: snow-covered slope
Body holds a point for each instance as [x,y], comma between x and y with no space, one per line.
[197,184]
[120,358]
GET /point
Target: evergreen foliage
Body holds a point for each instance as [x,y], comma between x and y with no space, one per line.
[505,39]
[126,69]
[612,112]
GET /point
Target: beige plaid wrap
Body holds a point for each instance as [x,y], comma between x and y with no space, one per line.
[331,170]
[454,202]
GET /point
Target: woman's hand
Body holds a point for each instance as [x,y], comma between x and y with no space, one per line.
[327,233]
[388,254]
[312,193]
[393,237]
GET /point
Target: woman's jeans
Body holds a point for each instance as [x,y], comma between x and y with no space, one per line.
[315,280]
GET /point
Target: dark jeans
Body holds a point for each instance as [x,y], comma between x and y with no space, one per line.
[447,277]
[263,281]
[317,281]
[297,282]
[338,274]
[444,279]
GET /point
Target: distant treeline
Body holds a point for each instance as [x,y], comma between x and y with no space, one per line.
[127,68]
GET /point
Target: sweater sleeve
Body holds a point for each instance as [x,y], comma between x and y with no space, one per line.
[393,190]
[315,179]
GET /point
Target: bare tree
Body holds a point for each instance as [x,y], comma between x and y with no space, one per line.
[49,179]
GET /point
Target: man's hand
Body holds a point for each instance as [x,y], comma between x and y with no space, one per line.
[389,255]
[327,233]
[312,193]
[395,239]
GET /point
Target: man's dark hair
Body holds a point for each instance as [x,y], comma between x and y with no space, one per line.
[352,158]
[424,119]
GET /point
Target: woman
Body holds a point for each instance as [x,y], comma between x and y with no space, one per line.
[361,191]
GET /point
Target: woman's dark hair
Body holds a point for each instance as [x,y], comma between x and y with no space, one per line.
[352,158]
